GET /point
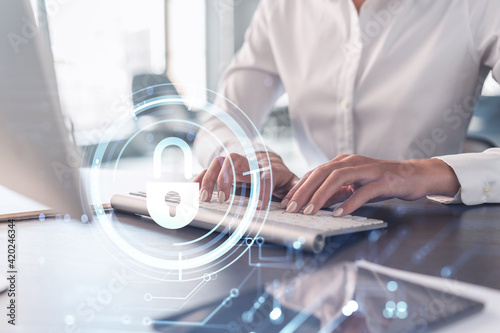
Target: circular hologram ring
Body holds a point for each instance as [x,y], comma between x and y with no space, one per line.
[225,246]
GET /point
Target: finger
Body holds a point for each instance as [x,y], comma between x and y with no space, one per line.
[360,197]
[304,194]
[241,166]
[225,180]
[232,171]
[199,178]
[289,195]
[334,183]
[208,182]
[265,189]
[342,195]
[343,157]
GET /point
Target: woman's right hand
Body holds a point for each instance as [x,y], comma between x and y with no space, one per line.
[220,172]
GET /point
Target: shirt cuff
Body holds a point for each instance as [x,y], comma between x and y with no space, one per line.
[447,200]
[478,174]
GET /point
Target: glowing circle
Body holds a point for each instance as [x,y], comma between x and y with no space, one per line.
[189,263]
[351,307]
[234,293]
[390,305]
[275,314]
[402,306]
[445,272]
[247,317]
[387,314]
[392,286]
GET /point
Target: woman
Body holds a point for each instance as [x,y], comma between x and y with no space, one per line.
[381,93]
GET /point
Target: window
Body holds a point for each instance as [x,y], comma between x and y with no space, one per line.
[186,53]
[98,47]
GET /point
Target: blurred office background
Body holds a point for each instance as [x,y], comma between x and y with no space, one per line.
[99,46]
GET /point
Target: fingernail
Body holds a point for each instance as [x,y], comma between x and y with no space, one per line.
[259,204]
[222,196]
[309,209]
[204,196]
[291,207]
[284,203]
[337,212]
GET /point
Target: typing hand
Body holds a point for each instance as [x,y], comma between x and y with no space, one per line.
[220,172]
[357,180]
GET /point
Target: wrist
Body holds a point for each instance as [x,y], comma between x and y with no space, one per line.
[437,176]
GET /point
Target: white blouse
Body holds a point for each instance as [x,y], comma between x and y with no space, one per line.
[397,81]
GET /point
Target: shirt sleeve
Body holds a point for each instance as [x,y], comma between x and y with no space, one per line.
[485,30]
[251,82]
[478,174]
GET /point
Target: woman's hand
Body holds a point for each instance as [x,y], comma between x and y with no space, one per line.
[357,180]
[221,173]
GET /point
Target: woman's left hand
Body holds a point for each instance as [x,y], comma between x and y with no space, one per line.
[357,180]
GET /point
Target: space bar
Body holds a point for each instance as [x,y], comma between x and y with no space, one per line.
[207,219]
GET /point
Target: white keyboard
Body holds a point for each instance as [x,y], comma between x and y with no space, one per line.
[279,226]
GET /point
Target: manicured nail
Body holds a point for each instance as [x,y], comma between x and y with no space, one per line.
[204,196]
[222,196]
[284,203]
[337,212]
[259,204]
[309,209]
[291,207]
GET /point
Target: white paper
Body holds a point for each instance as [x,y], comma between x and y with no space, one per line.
[12,202]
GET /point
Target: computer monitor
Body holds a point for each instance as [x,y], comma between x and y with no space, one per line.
[38,158]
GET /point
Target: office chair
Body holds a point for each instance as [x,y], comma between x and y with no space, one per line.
[484,128]
[149,86]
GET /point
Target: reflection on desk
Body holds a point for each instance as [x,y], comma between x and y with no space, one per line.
[70,279]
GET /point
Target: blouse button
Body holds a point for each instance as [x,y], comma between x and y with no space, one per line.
[486,189]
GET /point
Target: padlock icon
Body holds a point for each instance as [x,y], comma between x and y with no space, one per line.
[186,210]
